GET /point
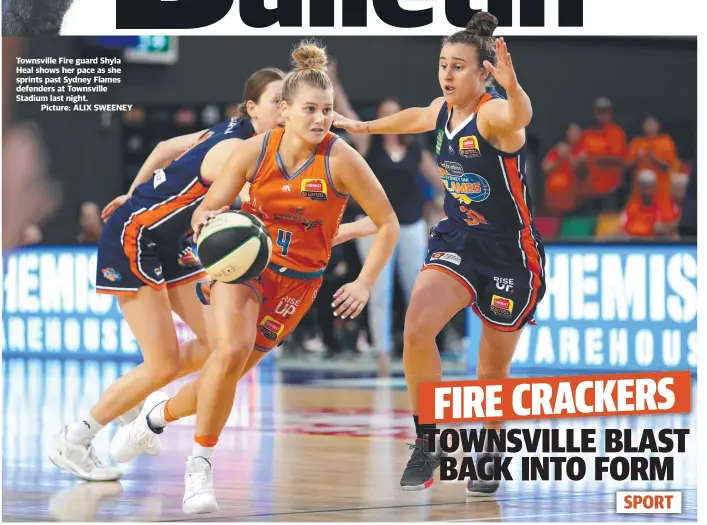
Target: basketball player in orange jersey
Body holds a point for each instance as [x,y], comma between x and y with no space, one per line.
[300,180]
[144,259]
[487,252]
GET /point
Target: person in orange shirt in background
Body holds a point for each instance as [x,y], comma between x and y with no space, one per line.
[563,172]
[654,151]
[605,147]
[645,216]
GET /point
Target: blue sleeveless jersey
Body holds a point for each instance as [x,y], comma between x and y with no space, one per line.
[164,204]
[486,191]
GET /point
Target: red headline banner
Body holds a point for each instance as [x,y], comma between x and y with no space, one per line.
[555,397]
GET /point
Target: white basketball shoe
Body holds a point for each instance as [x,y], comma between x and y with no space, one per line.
[137,437]
[199,495]
[81,460]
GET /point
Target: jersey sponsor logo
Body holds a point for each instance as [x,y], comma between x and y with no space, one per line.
[159,178]
[453,169]
[468,187]
[446,256]
[440,138]
[308,224]
[270,328]
[232,124]
[314,189]
[297,210]
[504,283]
[502,306]
[469,147]
[111,274]
[187,257]
[287,188]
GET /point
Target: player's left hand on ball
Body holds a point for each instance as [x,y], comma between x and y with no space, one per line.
[350,299]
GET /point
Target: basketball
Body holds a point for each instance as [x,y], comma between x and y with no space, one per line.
[234,247]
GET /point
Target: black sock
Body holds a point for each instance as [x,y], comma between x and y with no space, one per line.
[424,431]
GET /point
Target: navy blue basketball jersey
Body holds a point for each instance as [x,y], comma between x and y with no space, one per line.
[486,191]
[164,204]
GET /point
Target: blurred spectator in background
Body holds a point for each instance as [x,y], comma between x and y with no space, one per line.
[32,235]
[90,223]
[564,170]
[652,151]
[605,145]
[645,215]
[397,161]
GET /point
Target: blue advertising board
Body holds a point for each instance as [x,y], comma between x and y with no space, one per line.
[610,307]
[607,307]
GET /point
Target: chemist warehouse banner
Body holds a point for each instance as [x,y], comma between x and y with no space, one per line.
[623,307]
[614,307]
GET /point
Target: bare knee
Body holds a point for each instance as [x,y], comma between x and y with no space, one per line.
[417,332]
[163,372]
[233,356]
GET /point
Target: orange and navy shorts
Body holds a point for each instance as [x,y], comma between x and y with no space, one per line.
[128,260]
[504,276]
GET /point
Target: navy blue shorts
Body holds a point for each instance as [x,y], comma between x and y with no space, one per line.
[130,255]
[505,276]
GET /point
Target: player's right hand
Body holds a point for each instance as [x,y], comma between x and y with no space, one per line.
[112,206]
[204,219]
[352,126]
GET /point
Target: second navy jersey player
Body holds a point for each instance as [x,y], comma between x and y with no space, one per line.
[145,240]
[488,240]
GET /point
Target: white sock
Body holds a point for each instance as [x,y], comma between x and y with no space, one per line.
[156,417]
[83,431]
[204,452]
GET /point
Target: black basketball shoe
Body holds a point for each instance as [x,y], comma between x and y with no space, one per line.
[480,487]
[419,473]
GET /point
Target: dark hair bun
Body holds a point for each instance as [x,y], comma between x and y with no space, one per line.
[482,23]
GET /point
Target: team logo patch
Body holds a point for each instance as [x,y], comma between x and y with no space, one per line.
[453,168]
[314,189]
[440,138]
[468,188]
[446,256]
[502,306]
[111,274]
[270,328]
[187,257]
[469,147]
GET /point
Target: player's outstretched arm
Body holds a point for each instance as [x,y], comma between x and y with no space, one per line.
[355,230]
[351,173]
[411,120]
[164,153]
[234,175]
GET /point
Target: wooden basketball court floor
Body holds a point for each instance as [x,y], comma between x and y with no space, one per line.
[296,448]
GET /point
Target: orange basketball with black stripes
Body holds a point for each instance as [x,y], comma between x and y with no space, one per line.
[234,247]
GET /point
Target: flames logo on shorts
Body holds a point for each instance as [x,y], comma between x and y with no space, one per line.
[314,189]
[111,274]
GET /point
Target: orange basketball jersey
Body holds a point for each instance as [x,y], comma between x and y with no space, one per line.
[301,210]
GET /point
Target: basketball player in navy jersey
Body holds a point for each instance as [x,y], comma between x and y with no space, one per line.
[487,252]
[145,258]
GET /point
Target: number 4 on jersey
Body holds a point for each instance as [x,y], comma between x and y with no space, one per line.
[283,240]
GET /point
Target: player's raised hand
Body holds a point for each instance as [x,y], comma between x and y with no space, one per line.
[504,73]
[350,299]
[355,127]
